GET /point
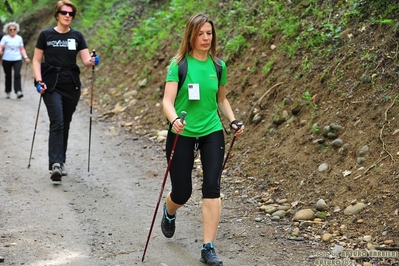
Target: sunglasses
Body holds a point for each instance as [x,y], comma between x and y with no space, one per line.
[64,13]
[12,29]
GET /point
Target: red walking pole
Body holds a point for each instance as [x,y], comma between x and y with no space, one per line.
[182,116]
[231,146]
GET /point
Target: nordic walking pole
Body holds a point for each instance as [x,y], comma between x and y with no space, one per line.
[34,132]
[231,146]
[182,116]
[91,109]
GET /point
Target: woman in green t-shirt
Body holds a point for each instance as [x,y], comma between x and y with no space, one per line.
[201,95]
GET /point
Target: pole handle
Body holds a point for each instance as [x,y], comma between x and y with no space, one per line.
[239,125]
[93,54]
[183,116]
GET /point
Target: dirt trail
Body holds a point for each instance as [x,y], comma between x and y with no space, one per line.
[102,217]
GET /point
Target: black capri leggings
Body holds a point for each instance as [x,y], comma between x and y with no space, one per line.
[211,148]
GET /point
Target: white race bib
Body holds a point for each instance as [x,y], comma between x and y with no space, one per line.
[193,92]
[71,44]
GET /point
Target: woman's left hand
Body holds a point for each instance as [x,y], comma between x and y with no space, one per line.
[238,127]
[95,60]
[239,131]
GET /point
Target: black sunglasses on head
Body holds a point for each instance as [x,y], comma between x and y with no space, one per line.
[63,12]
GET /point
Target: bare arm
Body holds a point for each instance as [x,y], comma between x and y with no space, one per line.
[225,108]
[86,57]
[168,104]
[36,61]
[36,66]
[24,54]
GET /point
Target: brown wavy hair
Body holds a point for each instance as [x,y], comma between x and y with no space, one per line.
[193,26]
[62,3]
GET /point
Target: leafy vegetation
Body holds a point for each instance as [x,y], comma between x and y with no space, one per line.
[134,30]
[130,30]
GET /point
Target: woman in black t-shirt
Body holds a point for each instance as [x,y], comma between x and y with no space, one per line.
[58,81]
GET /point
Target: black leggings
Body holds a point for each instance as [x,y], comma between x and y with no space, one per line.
[61,104]
[211,149]
[8,66]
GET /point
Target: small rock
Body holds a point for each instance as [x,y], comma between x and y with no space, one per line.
[338,249]
[363,150]
[295,232]
[370,246]
[336,209]
[323,167]
[280,213]
[306,214]
[282,201]
[275,218]
[367,238]
[283,207]
[337,143]
[360,160]
[336,127]
[270,209]
[327,237]
[321,205]
[353,209]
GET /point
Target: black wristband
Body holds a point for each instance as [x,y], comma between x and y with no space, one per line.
[171,124]
[234,122]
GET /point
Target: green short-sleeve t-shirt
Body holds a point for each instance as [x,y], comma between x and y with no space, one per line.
[201,105]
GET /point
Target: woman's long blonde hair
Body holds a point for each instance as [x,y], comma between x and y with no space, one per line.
[193,26]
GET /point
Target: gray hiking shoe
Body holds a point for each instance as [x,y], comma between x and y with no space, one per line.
[63,170]
[56,173]
[168,224]
[19,94]
[208,255]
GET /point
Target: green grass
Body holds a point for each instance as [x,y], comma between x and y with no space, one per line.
[124,30]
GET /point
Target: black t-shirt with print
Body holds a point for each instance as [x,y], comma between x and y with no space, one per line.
[61,49]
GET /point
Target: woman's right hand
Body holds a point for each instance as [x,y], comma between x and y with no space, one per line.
[41,87]
[178,126]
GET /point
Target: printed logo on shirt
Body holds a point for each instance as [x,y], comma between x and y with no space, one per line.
[212,76]
[59,43]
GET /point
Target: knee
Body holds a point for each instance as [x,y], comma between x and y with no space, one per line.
[181,197]
[57,125]
[212,192]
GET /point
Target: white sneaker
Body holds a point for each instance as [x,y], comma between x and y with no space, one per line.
[63,170]
[19,94]
[56,173]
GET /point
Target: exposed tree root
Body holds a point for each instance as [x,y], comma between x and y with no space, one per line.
[260,99]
